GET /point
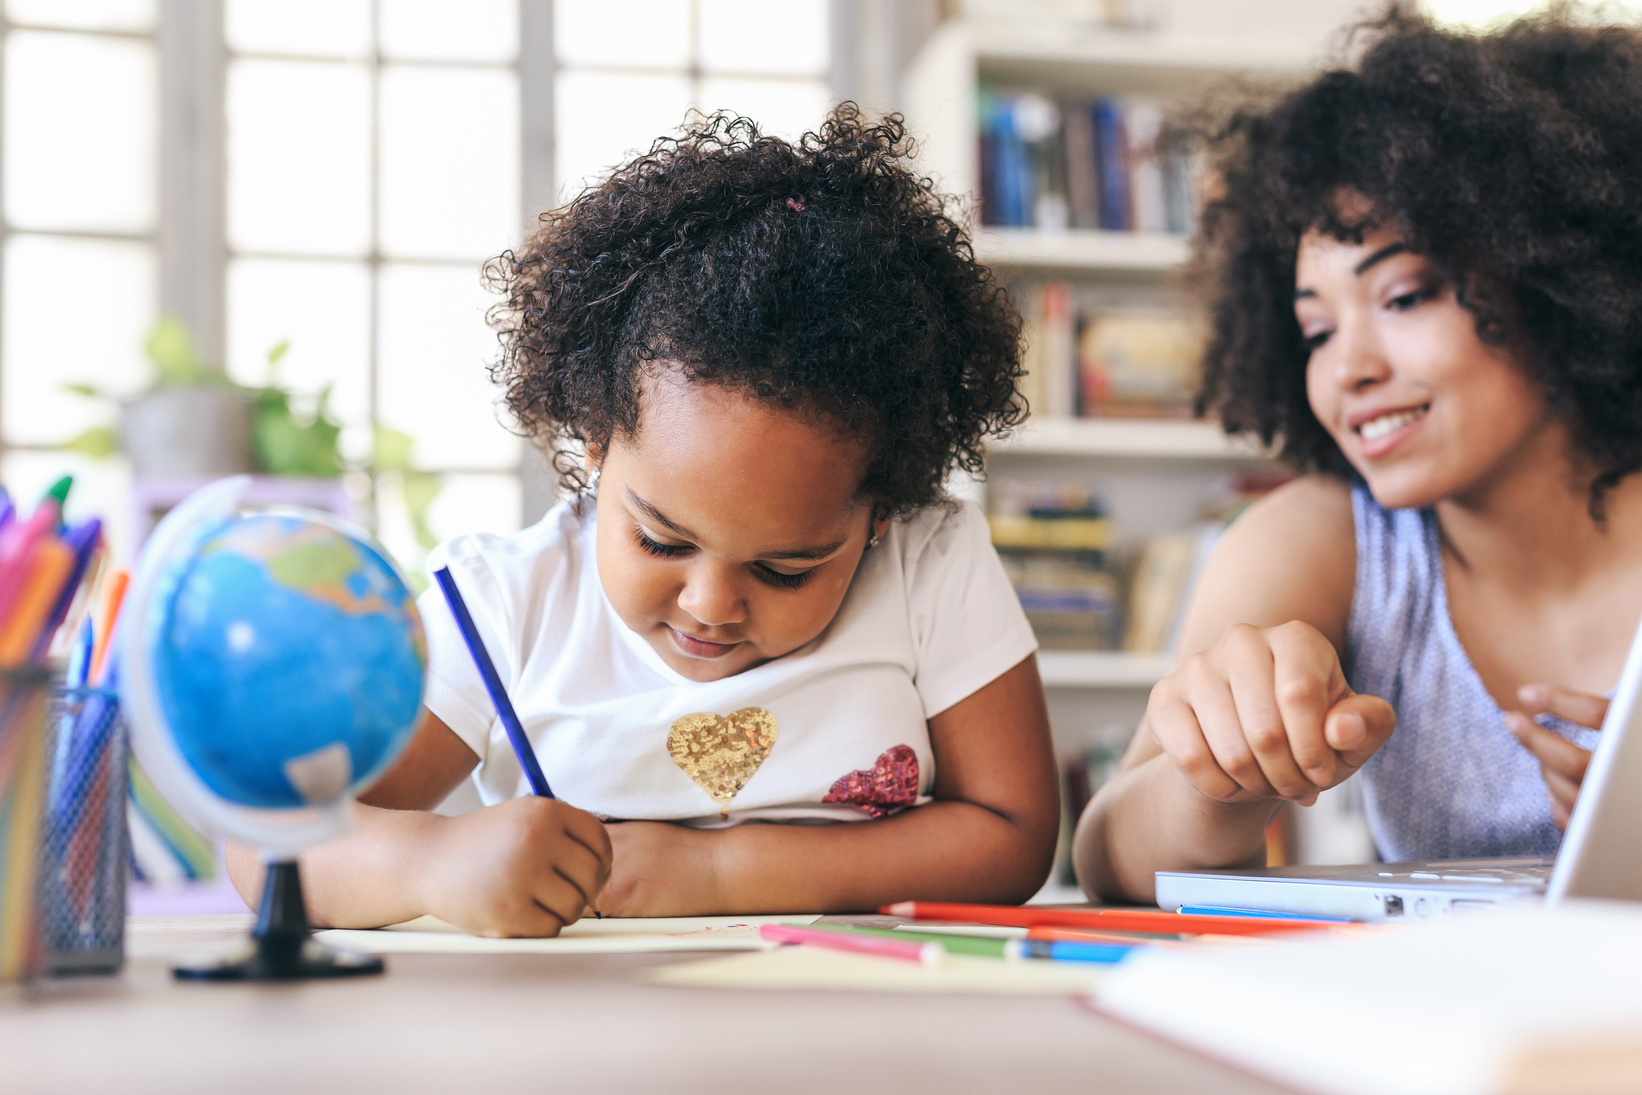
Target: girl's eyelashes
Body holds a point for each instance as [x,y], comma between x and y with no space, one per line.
[780,580]
[765,574]
[1315,340]
[660,551]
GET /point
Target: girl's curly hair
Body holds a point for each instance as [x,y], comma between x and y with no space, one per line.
[1511,160]
[821,274]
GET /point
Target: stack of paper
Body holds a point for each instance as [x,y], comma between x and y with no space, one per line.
[429,935]
[1526,999]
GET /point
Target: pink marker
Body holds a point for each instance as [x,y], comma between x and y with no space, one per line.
[929,954]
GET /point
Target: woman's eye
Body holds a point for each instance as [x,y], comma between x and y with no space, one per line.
[780,580]
[660,551]
[1413,299]
[1314,341]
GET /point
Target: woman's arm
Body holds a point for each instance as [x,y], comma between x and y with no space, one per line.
[525,867]
[989,834]
[1256,710]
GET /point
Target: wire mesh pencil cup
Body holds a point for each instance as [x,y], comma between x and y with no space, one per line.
[25,695]
[85,847]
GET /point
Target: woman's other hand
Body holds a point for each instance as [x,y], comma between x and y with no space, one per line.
[1561,762]
[1266,713]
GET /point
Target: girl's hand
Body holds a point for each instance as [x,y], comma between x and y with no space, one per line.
[1266,713]
[525,867]
[661,869]
[1561,762]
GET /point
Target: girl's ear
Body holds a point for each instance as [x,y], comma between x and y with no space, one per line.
[592,460]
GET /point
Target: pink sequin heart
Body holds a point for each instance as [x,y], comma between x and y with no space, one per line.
[891,784]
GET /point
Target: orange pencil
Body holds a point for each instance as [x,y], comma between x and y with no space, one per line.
[108,613]
[1134,920]
[53,560]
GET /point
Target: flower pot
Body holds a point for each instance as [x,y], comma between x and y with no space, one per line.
[187,433]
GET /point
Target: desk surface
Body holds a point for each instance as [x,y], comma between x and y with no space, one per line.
[492,1023]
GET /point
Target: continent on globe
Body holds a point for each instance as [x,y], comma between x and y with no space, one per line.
[288,658]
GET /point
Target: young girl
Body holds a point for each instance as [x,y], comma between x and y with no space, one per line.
[1426,274]
[759,361]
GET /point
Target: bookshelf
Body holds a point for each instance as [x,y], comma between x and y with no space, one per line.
[1153,474]
[1080,252]
[1101,669]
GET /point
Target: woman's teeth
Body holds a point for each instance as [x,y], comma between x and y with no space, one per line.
[1387,424]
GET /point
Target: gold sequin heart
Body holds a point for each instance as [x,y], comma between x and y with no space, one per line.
[721,754]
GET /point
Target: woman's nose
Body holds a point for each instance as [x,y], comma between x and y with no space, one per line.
[1359,361]
[712,595]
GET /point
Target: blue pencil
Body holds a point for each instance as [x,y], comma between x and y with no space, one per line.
[1060,951]
[493,684]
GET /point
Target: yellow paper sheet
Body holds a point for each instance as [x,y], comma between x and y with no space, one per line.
[819,968]
[428,935]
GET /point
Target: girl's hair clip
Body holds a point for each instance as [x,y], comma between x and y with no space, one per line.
[795,204]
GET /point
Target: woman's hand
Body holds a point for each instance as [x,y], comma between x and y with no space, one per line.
[1561,762]
[661,869]
[1266,713]
[525,867]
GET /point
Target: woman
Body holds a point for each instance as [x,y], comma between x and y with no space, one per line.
[1425,274]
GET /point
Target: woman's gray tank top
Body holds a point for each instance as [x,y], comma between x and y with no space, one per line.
[1451,783]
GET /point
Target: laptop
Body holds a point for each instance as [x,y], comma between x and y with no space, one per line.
[1601,854]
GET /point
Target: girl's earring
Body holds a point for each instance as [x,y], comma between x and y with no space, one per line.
[872,541]
[593,480]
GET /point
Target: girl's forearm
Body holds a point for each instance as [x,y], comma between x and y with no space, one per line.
[942,851]
[365,879]
[1151,819]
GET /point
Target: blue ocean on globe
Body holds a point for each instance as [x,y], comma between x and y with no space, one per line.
[288,657]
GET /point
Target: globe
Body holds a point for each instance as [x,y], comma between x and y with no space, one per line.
[288,658]
[270,664]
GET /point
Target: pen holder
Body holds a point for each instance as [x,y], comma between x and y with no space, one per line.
[25,696]
[85,851]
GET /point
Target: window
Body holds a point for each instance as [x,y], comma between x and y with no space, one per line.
[372,166]
[79,139]
[332,173]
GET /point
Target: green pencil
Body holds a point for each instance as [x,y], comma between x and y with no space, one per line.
[59,490]
[981,946]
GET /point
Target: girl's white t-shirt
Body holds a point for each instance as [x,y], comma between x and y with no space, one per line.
[836,730]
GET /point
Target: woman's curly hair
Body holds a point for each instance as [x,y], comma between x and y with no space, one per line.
[821,274]
[1511,160]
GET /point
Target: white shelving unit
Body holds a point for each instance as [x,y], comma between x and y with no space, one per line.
[1154,474]
[1098,253]
[1101,669]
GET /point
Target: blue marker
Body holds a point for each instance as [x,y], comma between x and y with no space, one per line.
[1059,951]
[493,684]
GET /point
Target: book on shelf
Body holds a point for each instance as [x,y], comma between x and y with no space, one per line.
[1054,541]
[1083,359]
[1106,163]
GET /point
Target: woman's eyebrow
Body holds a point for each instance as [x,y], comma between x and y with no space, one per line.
[1379,256]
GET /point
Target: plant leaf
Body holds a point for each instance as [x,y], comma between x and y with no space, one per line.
[391,449]
[171,349]
[90,391]
[99,442]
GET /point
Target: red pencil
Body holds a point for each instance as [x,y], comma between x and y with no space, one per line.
[1132,920]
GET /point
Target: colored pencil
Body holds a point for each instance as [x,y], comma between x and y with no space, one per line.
[17,550]
[108,615]
[974,945]
[20,631]
[1083,935]
[927,953]
[1106,953]
[1143,920]
[493,684]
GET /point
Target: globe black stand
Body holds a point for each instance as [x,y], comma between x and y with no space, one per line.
[282,948]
